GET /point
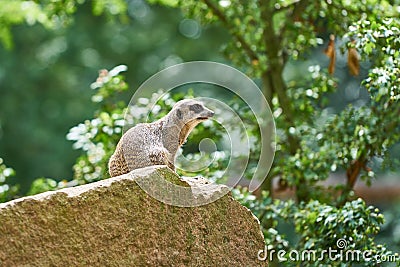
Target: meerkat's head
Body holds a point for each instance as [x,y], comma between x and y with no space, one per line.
[191,111]
[186,114]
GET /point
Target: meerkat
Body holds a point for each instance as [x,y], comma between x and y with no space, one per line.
[157,143]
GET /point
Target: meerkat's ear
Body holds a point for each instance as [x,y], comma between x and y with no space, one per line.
[179,114]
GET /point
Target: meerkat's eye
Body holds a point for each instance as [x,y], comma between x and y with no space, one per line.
[196,108]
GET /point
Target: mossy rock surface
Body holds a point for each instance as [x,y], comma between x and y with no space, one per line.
[115,223]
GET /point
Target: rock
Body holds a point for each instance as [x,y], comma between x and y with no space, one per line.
[114,222]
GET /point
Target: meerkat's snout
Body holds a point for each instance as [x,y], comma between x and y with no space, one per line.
[205,114]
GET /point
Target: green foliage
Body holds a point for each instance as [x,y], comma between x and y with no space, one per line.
[297,24]
[7,191]
[354,223]
[49,13]
[318,227]
[110,7]
[316,158]
[98,137]
[172,3]
[42,185]
[15,12]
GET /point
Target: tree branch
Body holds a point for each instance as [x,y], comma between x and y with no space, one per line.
[294,11]
[298,8]
[246,47]
[353,171]
[273,75]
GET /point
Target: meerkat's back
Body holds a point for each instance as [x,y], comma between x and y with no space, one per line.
[139,147]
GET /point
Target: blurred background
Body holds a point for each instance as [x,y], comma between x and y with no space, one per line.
[45,87]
